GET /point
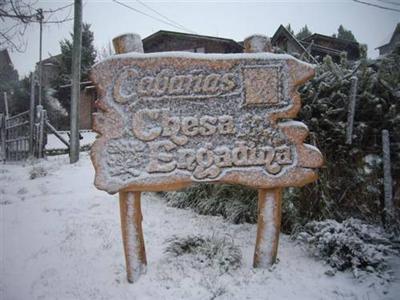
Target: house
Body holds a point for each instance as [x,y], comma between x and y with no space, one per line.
[7,71]
[163,40]
[50,69]
[320,45]
[288,43]
[87,106]
[315,47]
[390,43]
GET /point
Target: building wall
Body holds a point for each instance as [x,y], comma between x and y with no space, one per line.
[293,48]
[353,52]
[86,108]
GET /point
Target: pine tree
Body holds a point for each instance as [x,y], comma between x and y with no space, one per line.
[345,34]
[88,59]
[289,28]
[88,54]
[303,33]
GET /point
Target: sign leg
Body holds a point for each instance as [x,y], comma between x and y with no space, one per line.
[268,227]
[132,234]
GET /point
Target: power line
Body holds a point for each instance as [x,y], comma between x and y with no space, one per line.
[378,6]
[389,2]
[165,17]
[147,15]
[58,9]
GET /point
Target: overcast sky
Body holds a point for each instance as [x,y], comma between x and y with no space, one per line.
[229,19]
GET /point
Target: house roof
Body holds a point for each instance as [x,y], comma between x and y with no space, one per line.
[316,36]
[162,33]
[55,59]
[389,39]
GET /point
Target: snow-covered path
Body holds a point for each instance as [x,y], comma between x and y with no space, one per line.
[60,239]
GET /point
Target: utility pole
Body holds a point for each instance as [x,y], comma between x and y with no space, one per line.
[40,17]
[32,115]
[6,104]
[387,178]
[76,78]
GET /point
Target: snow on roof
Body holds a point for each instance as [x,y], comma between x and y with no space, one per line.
[175,33]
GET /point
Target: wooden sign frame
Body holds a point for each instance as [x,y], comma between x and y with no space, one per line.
[168,120]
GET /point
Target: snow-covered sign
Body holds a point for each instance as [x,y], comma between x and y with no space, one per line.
[167,120]
[170,119]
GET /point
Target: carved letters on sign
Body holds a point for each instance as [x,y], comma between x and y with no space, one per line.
[173,119]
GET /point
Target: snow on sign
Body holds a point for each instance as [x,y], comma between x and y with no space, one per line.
[170,119]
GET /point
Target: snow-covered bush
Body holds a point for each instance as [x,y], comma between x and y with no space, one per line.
[350,245]
[56,113]
[351,182]
[37,171]
[219,253]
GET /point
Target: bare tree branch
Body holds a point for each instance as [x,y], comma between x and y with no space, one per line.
[17,15]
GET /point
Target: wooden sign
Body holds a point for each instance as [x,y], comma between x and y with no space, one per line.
[168,120]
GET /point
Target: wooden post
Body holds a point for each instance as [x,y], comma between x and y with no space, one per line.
[3,136]
[131,214]
[132,234]
[32,115]
[40,116]
[129,42]
[387,178]
[6,104]
[268,227]
[40,19]
[351,110]
[269,201]
[76,77]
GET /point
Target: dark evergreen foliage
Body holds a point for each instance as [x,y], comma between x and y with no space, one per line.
[345,34]
[303,33]
[289,28]
[19,95]
[350,184]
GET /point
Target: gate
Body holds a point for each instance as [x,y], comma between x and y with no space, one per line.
[22,136]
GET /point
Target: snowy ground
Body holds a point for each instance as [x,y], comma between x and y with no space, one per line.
[60,239]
